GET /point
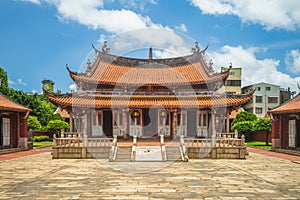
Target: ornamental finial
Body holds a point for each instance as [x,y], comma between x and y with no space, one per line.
[196,48]
[105,47]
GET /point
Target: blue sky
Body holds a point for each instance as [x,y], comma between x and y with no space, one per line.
[39,37]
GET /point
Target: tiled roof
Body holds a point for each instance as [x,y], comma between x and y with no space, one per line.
[289,107]
[111,70]
[62,112]
[8,105]
[144,101]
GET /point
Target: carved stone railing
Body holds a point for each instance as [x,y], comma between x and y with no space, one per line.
[114,149]
[67,142]
[133,149]
[70,134]
[163,148]
[81,141]
[215,142]
[183,150]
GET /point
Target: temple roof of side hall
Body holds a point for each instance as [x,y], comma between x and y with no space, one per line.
[84,100]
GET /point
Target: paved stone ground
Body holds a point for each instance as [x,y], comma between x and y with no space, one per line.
[40,177]
[274,154]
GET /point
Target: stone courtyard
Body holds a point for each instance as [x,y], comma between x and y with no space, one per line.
[257,177]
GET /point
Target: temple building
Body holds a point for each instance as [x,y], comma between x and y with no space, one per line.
[13,124]
[127,96]
[286,125]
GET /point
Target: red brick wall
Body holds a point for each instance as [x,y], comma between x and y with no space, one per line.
[284,133]
[39,133]
[259,137]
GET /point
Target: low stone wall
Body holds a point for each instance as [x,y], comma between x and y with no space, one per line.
[217,152]
[76,152]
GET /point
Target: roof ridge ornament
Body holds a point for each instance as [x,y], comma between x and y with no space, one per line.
[150,55]
[105,47]
[196,48]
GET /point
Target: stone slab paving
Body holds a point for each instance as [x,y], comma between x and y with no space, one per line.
[257,177]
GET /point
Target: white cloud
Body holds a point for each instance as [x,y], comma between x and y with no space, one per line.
[270,14]
[161,39]
[73,87]
[292,61]
[31,1]
[181,28]
[92,14]
[20,81]
[140,4]
[254,70]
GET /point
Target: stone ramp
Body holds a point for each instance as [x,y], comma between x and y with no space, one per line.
[148,153]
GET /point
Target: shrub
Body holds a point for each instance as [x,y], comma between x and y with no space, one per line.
[41,138]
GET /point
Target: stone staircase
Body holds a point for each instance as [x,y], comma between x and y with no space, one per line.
[173,153]
[123,154]
[99,152]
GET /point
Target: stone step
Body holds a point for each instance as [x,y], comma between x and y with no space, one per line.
[123,154]
[173,153]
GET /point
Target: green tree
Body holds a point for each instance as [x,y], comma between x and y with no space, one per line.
[244,123]
[57,125]
[264,125]
[244,127]
[33,123]
[39,104]
[244,116]
[4,89]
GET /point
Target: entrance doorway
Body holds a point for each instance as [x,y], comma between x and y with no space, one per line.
[107,123]
[292,133]
[6,131]
[150,122]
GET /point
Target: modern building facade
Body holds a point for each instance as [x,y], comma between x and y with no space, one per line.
[265,97]
[13,124]
[126,96]
[233,84]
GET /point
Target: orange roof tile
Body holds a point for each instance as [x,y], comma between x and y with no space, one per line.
[140,101]
[62,112]
[8,105]
[289,107]
[157,72]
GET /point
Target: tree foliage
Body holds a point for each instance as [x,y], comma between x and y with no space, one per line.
[57,125]
[244,116]
[264,125]
[244,123]
[39,104]
[244,127]
[33,123]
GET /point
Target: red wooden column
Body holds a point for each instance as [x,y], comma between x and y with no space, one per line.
[23,131]
[174,123]
[275,134]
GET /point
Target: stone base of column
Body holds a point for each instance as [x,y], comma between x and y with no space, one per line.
[276,144]
[23,143]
